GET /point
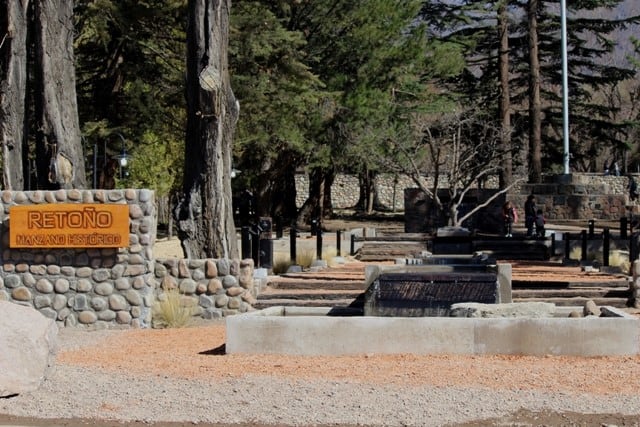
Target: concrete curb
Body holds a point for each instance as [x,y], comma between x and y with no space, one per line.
[302,331]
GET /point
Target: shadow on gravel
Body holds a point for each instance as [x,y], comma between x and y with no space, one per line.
[218,351]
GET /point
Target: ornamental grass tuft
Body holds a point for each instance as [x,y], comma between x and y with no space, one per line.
[171,311]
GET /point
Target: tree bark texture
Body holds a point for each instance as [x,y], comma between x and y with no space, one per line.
[58,140]
[535,109]
[506,173]
[13,83]
[275,189]
[312,208]
[205,213]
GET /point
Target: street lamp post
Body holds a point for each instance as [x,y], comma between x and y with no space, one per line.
[565,86]
[123,157]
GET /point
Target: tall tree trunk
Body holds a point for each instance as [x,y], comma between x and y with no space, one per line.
[506,173]
[58,142]
[312,207]
[205,213]
[13,83]
[327,204]
[367,191]
[535,110]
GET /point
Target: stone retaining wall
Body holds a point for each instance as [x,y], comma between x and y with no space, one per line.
[580,197]
[390,188]
[100,288]
[213,288]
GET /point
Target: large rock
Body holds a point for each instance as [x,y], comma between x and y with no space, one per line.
[516,309]
[28,345]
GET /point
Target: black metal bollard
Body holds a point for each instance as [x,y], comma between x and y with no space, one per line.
[338,242]
[245,239]
[633,248]
[583,235]
[319,244]
[623,227]
[592,227]
[553,244]
[605,246]
[353,244]
[567,245]
[293,235]
[255,249]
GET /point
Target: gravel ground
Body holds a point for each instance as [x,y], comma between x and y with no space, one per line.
[183,376]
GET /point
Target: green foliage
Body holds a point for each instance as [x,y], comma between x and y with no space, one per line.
[334,85]
[154,164]
[471,25]
[277,92]
[130,77]
[367,52]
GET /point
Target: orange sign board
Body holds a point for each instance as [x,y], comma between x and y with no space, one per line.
[69,225]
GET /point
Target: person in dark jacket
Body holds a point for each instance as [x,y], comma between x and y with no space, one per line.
[530,214]
[632,186]
[540,222]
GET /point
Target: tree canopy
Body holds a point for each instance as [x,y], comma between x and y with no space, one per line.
[338,86]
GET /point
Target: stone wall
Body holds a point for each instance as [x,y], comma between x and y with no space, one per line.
[580,197]
[213,288]
[100,288]
[345,190]
[586,196]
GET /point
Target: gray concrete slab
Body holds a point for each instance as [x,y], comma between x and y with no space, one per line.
[301,331]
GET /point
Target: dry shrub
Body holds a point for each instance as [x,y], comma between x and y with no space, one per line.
[329,254]
[305,258]
[170,311]
[620,259]
[576,253]
[617,258]
[281,264]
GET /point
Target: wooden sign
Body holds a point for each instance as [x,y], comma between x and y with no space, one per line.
[69,225]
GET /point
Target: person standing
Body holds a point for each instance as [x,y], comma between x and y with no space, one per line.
[632,186]
[509,216]
[540,221]
[530,214]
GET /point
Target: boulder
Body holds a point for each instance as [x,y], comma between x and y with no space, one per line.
[28,345]
[591,309]
[516,309]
